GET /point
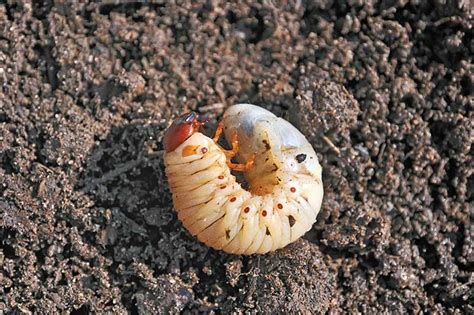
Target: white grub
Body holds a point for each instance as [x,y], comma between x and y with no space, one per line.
[285,187]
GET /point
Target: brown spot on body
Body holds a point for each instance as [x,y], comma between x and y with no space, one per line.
[267,145]
[220,176]
[189,150]
[264,213]
[291,220]
[223,187]
[293,189]
[300,158]
[267,232]
[246,210]
[204,150]
[279,206]
[233,199]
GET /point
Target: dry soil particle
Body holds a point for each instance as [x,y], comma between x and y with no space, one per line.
[293,280]
[87,90]
[324,110]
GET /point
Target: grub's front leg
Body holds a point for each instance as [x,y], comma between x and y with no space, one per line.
[240,167]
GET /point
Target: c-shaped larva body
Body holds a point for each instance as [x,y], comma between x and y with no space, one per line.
[285,186]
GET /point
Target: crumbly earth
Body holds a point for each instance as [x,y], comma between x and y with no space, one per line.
[383,89]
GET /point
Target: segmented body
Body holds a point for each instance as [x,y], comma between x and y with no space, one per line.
[285,187]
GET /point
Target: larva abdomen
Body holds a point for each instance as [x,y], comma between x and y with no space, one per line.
[285,191]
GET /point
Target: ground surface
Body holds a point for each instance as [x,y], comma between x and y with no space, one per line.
[87,90]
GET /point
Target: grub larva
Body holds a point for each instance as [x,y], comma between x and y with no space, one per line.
[284,176]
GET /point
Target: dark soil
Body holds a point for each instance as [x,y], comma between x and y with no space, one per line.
[383,89]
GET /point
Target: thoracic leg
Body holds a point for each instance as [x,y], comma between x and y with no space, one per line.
[242,167]
[234,141]
[218,133]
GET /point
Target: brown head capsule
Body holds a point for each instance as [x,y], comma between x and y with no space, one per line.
[180,130]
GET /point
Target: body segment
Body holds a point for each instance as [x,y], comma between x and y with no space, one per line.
[285,187]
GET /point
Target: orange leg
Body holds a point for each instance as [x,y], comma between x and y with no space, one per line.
[218,133]
[234,142]
[242,167]
[235,146]
[232,152]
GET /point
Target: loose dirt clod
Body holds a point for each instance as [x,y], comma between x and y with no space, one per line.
[295,279]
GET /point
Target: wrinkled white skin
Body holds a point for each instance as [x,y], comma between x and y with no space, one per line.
[285,193]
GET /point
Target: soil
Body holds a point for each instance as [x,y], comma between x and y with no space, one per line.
[383,89]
